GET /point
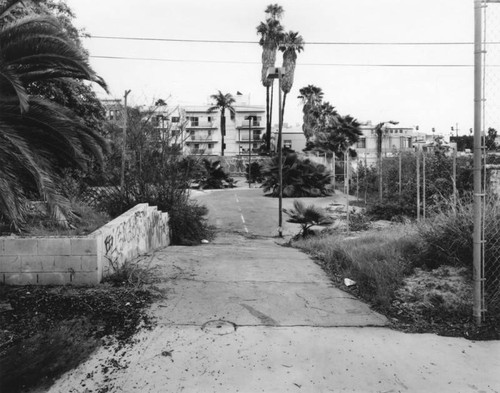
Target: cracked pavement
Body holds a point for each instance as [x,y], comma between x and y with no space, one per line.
[245,314]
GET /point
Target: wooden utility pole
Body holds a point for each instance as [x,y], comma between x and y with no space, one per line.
[124,145]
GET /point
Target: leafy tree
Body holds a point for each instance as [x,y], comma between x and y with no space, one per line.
[39,137]
[307,217]
[222,102]
[271,34]
[301,178]
[291,44]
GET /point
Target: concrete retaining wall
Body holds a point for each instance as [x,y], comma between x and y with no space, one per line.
[83,260]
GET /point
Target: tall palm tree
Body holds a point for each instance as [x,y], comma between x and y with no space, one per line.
[311,97]
[38,138]
[222,102]
[271,33]
[292,44]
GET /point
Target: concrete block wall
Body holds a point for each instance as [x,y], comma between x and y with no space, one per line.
[83,260]
[137,231]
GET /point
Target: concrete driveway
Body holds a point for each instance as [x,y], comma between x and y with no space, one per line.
[245,314]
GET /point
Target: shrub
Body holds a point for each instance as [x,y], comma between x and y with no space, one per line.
[390,210]
[447,237]
[301,178]
[256,172]
[377,262]
[358,221]
[307,217]
[213,176]
[188,225]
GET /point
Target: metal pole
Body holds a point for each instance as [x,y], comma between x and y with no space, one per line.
[280,163]
[334,170]
[346,155]
[455,179]
[249,152]
[478,290]
[423,185]
[418,184]
[124,145]
[400,164]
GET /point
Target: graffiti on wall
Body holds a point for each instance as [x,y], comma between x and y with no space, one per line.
[142,231]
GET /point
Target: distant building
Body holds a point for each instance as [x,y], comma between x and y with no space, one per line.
[293,137]
[114,109]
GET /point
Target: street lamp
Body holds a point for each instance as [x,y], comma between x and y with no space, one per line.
[277,73]
[250,118]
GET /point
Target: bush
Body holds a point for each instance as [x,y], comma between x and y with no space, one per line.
[358,221]
[447,237]
[377,262]
[301,178]
[307,217]
[256,172]
[213,176]
[390,210]
[188,225]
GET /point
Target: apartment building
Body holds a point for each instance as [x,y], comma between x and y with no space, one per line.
[395,138]
[203,135]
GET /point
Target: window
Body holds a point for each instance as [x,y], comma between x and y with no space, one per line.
[111,115]
[361,143]
[209,132]
[194,121]
[175,119]
[210,145]
[209,119]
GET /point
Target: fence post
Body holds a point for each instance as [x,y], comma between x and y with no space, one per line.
[418,184]
[423,185]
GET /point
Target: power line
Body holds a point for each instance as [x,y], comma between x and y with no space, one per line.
[302,64]
[256,42]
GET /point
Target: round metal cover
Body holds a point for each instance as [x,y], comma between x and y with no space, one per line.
[219,327]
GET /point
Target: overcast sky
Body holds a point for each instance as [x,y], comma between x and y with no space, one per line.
[426,96]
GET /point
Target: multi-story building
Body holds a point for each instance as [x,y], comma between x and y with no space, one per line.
[395,138]
[203,134]
[114,109]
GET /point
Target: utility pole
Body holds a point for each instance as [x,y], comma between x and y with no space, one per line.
[124,145]
[477,254]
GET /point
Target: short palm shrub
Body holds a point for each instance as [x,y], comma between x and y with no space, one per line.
[213,176]
[301,178]
[307,217]
[255,171]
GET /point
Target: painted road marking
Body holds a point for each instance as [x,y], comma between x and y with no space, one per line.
[241,214]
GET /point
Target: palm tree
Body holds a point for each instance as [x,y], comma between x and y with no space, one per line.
[271,33]
[38,138]
[222,102]
[292,44]
[312,97]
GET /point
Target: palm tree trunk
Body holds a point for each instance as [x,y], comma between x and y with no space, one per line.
[222,130]
[271,113]
[268,124]
[283,108]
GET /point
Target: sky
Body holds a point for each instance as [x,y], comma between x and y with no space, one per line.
[357,79]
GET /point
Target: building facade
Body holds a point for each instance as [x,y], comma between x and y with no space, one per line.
[243,136]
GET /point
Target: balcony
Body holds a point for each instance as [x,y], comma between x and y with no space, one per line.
[257,124]
[201,138]
[201,124]
[249,138]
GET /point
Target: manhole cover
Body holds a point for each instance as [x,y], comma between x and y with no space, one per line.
[219,327]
